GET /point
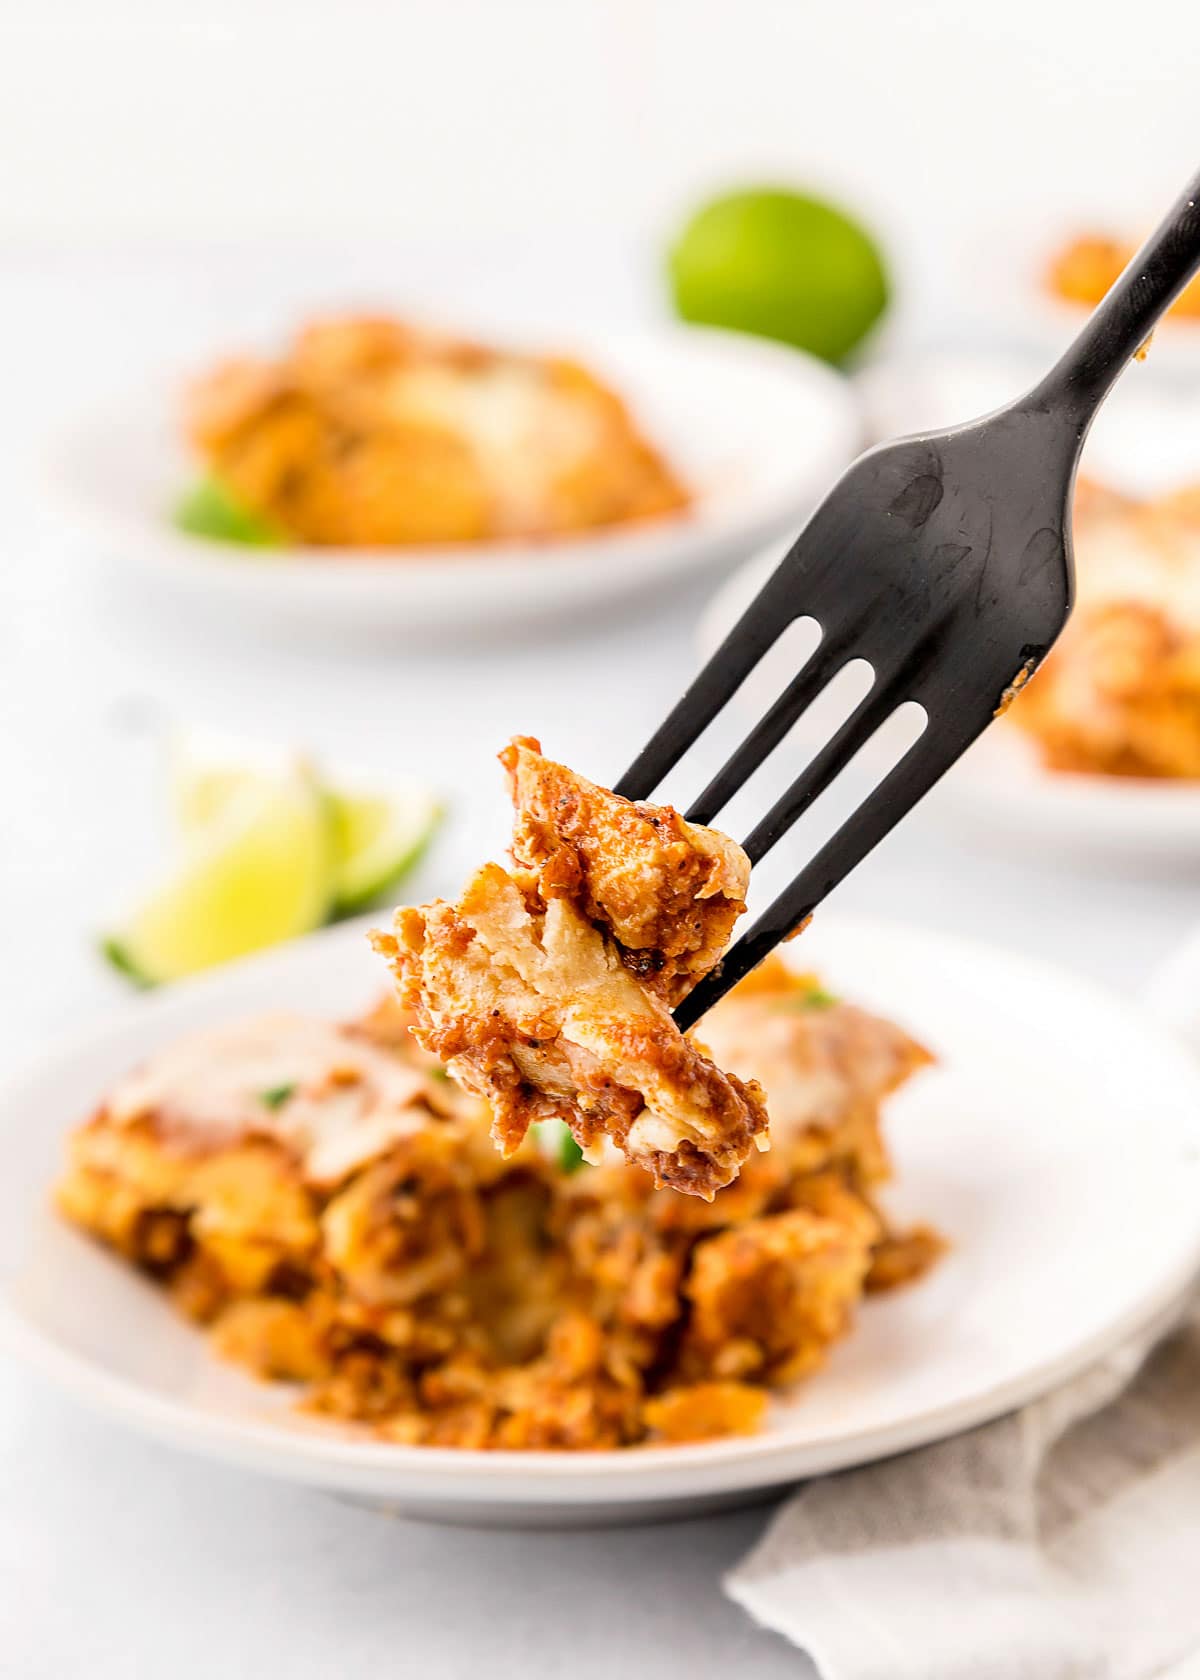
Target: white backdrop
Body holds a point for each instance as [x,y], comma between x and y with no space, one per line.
[411,117]
[578,129]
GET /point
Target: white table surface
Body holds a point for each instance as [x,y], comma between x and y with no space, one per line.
[116,1557]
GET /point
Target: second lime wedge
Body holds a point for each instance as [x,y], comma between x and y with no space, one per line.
[377,837]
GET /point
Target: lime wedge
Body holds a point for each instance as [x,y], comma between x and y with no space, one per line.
[209,770]
[208,510]
[202,797]
[258,872]
[376,834]
[377,837]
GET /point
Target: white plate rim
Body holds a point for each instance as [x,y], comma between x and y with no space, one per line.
[1001,785]
[631,1477]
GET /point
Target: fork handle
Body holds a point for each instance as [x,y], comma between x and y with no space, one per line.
[1119,327]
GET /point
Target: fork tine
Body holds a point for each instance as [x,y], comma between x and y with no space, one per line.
[908,781]
[822,665]
[890,690]
[822,769]
[760,626]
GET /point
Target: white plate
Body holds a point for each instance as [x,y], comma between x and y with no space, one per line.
[1058,1146]
[1173,995]
[1004,795]
[757,430]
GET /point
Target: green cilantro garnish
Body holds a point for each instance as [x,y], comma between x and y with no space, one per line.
[556,1143]
[277,1095]
[439,1073]
[815,997]
[208,510]
[570,1155]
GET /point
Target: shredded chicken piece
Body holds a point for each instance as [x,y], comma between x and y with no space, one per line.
[668,891]
[546,989]
[769,1297]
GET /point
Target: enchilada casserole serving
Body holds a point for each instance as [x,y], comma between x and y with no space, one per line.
[368,432]
[332,1208]
[1119,694]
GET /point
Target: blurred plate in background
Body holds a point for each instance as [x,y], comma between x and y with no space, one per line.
[757,431]
[998,791]
[1146,442]
[1001,281]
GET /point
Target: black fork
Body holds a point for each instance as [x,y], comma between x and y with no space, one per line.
[944,560]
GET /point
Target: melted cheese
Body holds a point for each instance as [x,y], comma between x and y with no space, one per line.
[333,1100]
[1120,559]
[525,434]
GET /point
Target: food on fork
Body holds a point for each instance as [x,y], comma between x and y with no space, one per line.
[367,432]
[331,1207]
[1120,694]
[669,890]
[1084,269]
[547,989]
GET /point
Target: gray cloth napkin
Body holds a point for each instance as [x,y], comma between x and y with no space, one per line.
[1059,1543]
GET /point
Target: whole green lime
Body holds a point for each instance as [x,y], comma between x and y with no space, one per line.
[782,265]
